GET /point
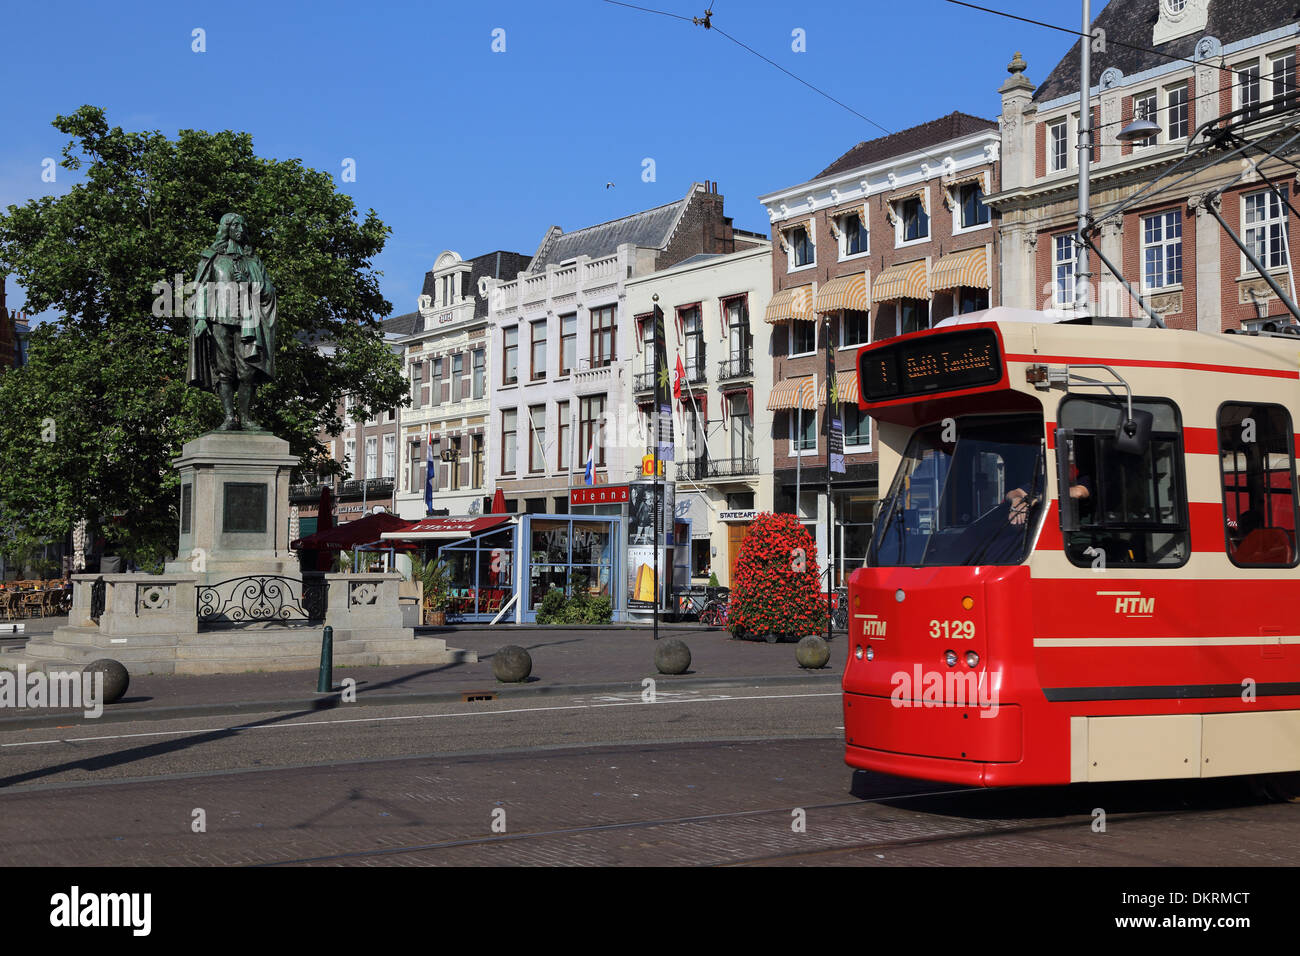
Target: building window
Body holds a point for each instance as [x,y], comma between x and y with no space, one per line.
[857,426]
[803,430]
[1063,264]
[971,300]
[802,251]
[647,329]
[913,315]
[476,460]
[415,465]
[349,455]
[1247,88]
[435,382]
[568,343]
[1282,81]
[693,335]
[1176,101]
[1144,108]
[480,372]
[973,211]
[1162,250]
[509,428]
[537,446]
[372,456]
[803,337]
[591,413]
[602,336]
[742,429]
[453,466]
[390,456]
[739,342]
[510,356]
[1058,145]
[457,376]
[1258,481]
[417,379]
[854,238]
[563,450]
[916,222]
[855,328]
[537,359]
[1265,220]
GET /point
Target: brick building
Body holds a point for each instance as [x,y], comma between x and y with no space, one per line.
[890,238]
[1180,64]
[13,335]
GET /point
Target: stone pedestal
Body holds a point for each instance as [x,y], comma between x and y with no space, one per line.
[234,507]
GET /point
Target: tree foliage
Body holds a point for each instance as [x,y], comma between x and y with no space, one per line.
[776,587]
[89,428]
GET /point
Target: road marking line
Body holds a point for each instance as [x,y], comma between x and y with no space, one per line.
[365,720]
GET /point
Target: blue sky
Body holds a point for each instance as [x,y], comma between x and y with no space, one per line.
[457,146]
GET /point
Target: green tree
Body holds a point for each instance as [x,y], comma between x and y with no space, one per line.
[89,427]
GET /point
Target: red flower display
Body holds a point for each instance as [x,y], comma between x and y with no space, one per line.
[776,587]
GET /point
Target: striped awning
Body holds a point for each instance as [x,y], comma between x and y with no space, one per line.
[846,292]
[793,393]
[846,389]
[969,268]
[791,304]
[901,282]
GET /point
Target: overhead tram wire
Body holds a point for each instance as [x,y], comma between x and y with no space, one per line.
[1089,36]
[707,23]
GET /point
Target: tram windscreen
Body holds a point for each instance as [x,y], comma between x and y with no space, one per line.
[969,491]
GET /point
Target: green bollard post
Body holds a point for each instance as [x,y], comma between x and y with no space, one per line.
[325,683]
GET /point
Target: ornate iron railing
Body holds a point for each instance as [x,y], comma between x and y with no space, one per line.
[739,366]
[701,470]
[263,597]
[643,382]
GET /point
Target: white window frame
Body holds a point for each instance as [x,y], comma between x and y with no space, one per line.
[793,415]
[813,350]
[844,236]
[1152,114]
[811,228]
[1163,243]
[857,449]
[1168,127]
[1266,223]
[1063,298]
[1070,136]
[372,456]
[899,241]
[1276,89]
[957,228]
[1238,84]
[844,346]
[388,468]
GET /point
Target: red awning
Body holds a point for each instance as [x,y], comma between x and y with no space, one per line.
[446,529]
[350,533]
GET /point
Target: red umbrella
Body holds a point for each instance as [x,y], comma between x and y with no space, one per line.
[499,503]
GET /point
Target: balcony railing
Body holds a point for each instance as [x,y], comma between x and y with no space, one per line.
[643,382]
[353,488]
[696,372]
[739,366]
[715,468]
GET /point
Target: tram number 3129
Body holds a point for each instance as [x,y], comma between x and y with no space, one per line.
[953,630]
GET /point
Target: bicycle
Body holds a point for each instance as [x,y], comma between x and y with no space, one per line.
[840,609]
[714,613]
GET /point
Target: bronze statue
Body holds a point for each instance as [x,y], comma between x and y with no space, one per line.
[232,333]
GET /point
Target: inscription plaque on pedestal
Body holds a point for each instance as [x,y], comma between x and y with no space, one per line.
[244,508]
[187,507]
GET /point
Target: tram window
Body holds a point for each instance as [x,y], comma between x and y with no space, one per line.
[1132,509]
[1259,501]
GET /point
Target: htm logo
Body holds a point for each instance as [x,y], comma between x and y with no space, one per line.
[1131,603]
[871,625]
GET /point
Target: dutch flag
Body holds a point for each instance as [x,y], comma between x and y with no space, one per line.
[589,473]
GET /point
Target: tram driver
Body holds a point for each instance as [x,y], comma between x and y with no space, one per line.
[1021,501]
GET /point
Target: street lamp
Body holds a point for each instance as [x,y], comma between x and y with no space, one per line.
[1138,130]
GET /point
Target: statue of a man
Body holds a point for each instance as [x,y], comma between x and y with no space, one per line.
[232,333]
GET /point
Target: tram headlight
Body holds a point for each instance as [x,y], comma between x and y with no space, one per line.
[871,653]
[858,652]
[972,659]
[899,596]
[951,658]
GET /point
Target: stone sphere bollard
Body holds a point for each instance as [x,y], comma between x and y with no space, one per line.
[512,664]
[673,657]
[812,653]
[116,679]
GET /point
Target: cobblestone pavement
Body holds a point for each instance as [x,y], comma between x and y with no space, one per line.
[424,786]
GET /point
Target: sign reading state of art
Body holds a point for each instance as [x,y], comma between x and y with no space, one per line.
[599,495]
[737,515]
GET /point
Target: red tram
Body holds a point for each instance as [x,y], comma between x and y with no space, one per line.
[1085,567]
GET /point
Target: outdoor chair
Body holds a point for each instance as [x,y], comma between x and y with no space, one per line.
[34,603]
[11,605]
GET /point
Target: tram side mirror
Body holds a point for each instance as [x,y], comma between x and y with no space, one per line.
[1068,506]
[1134,435]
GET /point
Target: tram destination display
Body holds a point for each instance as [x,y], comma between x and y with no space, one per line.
[942,363]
